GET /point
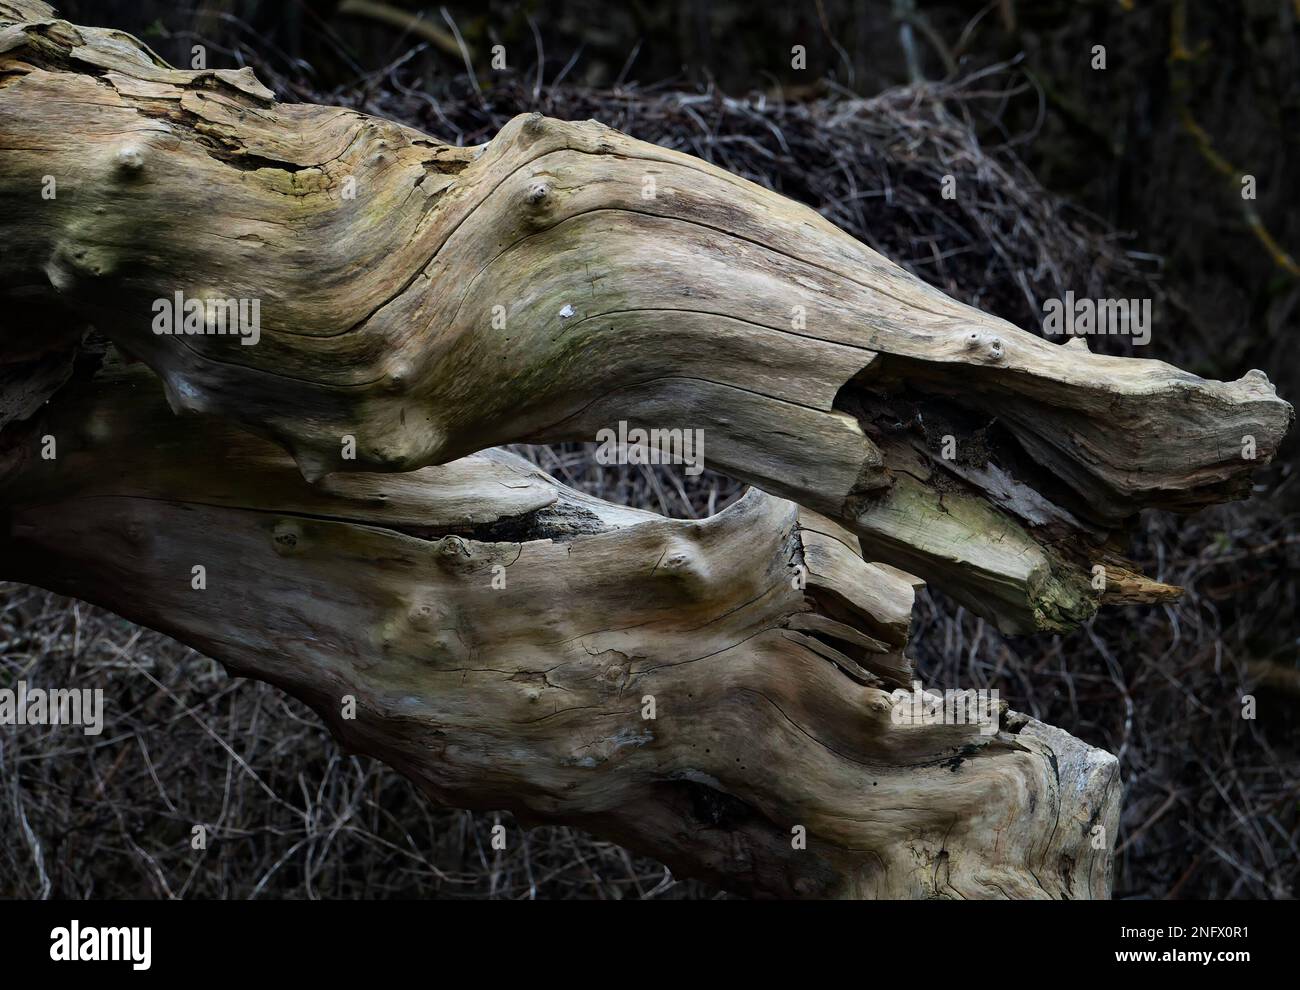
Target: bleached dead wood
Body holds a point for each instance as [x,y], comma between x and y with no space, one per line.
[431,302]
[505,637]
[564,277]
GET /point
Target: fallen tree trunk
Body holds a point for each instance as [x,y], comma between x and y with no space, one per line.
[429,301]
[504,640]
[717,694]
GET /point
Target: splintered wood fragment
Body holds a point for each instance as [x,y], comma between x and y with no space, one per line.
[1127,587]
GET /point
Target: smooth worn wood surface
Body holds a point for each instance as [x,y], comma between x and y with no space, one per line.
[502,634]
[502,637]
[432,301]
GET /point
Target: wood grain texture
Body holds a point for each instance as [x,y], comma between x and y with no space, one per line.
[772,700]
[635,283]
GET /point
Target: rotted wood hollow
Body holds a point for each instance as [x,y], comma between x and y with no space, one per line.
[503,637]
[432,301]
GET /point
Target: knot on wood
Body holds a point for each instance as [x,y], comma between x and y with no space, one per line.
[286,537]
[451,551]
[686,565]
[129,160]
[535,124]
[985,344]
[398,376]
[72,263]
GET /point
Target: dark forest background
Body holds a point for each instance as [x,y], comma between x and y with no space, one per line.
[1121,182]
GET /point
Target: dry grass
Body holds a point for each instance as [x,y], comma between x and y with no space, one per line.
[1213,801]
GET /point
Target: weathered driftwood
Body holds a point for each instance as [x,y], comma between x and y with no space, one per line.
[431,301]
[503,637]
